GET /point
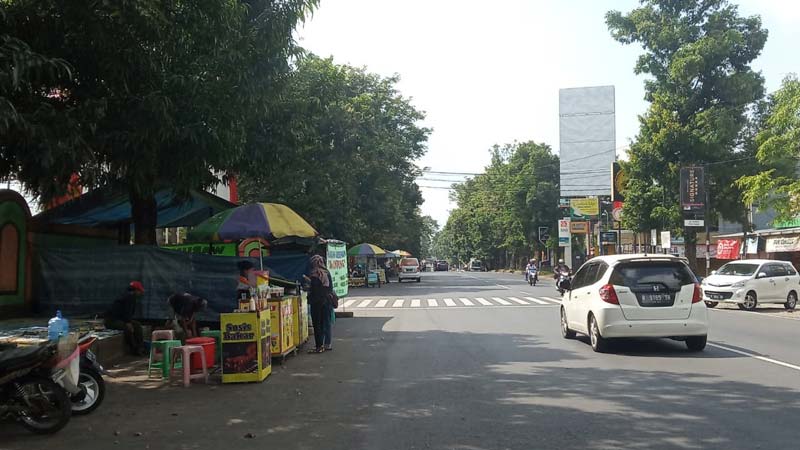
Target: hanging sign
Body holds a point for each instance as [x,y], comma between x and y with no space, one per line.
[337,266]
[728,249]
[692,188]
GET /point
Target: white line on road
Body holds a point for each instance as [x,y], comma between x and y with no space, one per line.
[364,304]
[484,302]
[536,300]
[504,287]
[761,358]
[432,302]
[516,300]
[466,302]
[398,303]
[381,303]
[349,302]
[415,303]
[449,302]
[552,299]
[501,301]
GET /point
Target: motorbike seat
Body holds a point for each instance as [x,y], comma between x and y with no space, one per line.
[19,358]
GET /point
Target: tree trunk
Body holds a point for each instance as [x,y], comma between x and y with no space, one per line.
[145,218]
[690,245]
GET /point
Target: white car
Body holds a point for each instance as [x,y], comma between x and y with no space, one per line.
[750,282]
[627,296]
[409,270]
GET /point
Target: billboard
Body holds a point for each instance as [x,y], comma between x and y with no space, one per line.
[587,140]
[584,207]
[692,188]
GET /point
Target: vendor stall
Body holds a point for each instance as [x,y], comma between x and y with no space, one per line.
[363,259]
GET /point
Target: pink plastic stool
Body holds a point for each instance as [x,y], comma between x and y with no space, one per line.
[183,353]
[162,335]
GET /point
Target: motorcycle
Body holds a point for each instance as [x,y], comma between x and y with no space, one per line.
[532,276]
[562,281]
[92,388]
[27,394]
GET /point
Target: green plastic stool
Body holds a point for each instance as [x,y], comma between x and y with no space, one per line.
[165,349]
[217,335]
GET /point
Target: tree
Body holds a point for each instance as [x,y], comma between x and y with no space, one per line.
[161,93]
[778,140]
[698,55]
[345,158]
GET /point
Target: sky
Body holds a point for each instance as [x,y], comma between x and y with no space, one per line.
[488,73]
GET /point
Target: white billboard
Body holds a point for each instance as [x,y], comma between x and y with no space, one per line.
[587,140]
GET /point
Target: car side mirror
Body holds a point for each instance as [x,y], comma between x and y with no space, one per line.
[713,272]
[761,275]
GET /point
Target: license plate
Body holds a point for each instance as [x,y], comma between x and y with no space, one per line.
[90,356]
[656,299]
[714,296]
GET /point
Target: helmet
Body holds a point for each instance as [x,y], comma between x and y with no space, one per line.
[561,261]
[532,260]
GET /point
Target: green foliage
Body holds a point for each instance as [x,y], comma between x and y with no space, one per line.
[344,157]
[499,212]
[158,92]
[698,57]
[778,141]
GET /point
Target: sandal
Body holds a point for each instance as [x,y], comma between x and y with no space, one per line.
[315,350]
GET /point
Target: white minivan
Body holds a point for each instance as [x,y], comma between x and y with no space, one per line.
[626,296]
[409,270]
[751,282]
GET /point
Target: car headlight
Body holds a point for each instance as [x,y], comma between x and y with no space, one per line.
[738,284]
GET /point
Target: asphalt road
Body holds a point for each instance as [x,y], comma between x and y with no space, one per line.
[471,375]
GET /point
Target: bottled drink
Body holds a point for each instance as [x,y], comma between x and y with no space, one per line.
[57,327]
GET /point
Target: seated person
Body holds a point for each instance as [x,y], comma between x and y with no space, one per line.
[184,307]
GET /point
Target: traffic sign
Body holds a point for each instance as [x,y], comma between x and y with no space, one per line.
[544,234]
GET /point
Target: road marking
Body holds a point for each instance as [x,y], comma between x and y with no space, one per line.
[381,303]
[536,300]
[364,304]
[349,302]
[552,299]
[484,302]
[432,302]
[415,303]
[449,302]
[761,358]
[398,303]
[757,313]
[501,301]
[504,287]
[516,300]
[466,302]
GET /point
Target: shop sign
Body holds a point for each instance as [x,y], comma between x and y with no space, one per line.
[694,223]
[608,237]
[584,207]
[653,238]
[728,248]
[792,223]
[228,249]
[692,188]
[783,244]
[563,233]
[337,266]
[579,227]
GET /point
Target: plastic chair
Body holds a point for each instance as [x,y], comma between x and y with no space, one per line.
[183,353]
[160,356]
[162,335]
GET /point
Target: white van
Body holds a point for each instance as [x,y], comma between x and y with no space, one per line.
[409,270]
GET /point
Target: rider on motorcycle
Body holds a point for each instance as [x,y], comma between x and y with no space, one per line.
[530,267]
[561,267]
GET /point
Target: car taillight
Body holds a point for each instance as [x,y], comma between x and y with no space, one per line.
[698,294]
[609,295]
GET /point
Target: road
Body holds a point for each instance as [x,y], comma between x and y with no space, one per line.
[472,375]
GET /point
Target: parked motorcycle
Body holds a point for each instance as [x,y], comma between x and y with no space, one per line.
[90,380]
[27,394]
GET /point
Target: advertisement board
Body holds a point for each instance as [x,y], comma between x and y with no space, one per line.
[692,188]
[728,249]
[584,207]
[579,227]
[608,237]
[245,347]
[563,233]
[783,244]
[337,265]
[618,180]
[666,239]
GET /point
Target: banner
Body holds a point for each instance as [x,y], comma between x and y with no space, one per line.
[693,188]
[563,233]
[728,249]
[783,244]
[584,207]
[337,265]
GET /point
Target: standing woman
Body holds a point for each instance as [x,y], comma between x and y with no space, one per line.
[318,299]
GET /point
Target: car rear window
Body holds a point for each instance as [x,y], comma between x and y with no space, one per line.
[409,262]
[633,274]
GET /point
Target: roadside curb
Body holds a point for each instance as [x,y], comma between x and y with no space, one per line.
[344,314]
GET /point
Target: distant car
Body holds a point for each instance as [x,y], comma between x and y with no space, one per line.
[751,282]
[409,270]
[626,296]
[442,266]
[475,266]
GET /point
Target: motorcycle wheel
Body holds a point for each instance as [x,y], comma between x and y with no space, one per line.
[92,383]
[45,405]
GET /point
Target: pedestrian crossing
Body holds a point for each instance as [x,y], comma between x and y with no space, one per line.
[444,303]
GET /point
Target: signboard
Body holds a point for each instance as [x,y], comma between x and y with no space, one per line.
[694,223]
[693,188]
[653,238]
[563,233]
[337,266]
[226,249]
[608,237]
[584,207]
[752,246]
[618,181]
[616,212]
[728,249]
[781,224]
[666,239]
[544,234]
[783,244]
[579,227]
[245,342]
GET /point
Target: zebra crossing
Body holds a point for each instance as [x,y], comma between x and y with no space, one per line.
[444,303]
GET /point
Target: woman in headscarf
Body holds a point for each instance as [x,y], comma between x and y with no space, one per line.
[319,301]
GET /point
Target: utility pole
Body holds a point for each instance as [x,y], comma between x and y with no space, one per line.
[707,221]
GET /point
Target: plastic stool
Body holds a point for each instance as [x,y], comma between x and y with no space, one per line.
[160,356]
[183,352]
[162,335]
[217,335]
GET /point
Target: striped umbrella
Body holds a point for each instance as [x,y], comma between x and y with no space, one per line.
[366,250]
[402,253]
[255,220]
